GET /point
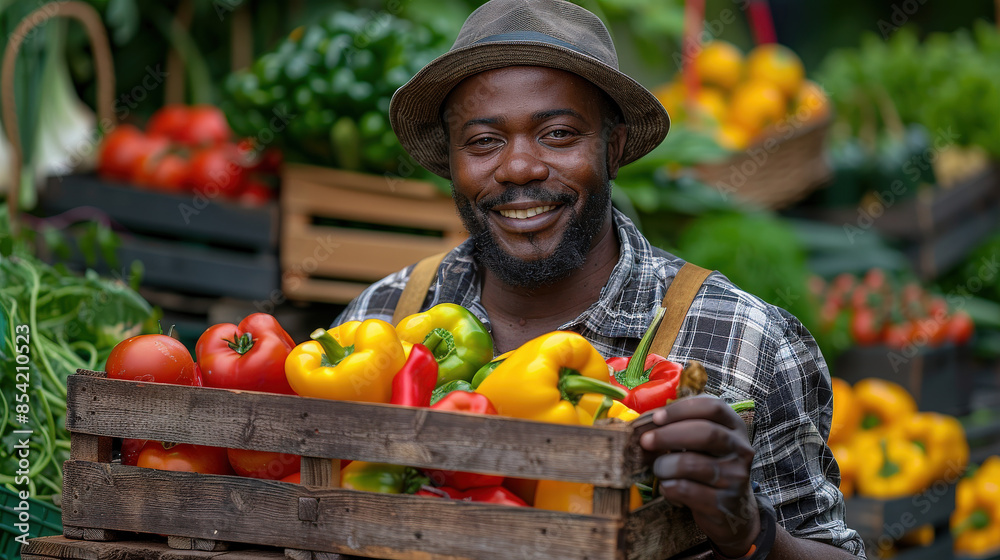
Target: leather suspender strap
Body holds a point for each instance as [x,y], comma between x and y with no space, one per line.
[417,286]
[677,301]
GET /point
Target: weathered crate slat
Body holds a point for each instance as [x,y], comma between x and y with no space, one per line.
[342,230]
[883,522]
[186,242]
[315,518]
[61,547]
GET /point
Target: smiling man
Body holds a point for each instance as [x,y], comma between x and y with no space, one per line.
[530,118]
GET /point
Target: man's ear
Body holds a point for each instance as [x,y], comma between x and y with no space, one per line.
[616,147]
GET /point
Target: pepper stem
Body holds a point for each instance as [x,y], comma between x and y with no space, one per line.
[572,386]
[602,409]
[870,421]
[635,372]
[742,406]
[441,343]
[889,469]
[976,521]
[332,350]
[241,345]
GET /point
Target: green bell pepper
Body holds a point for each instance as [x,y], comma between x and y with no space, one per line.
[381,477]
[459,340]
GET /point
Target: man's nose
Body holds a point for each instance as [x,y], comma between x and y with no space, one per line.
[520,163]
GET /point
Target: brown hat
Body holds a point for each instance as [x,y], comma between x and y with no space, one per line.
[501,33]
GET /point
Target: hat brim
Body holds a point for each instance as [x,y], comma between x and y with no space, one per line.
[415,109]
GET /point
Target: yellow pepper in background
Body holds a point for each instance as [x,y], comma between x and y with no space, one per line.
[975,523]
[844,455]
[890,467]
[846,413]
[355,361]
[882,403]
[544,378]
[943,440]
[573,497]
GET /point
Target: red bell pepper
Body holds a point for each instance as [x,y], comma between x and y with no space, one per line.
[652,385]
[485,494]
[462,401]
[414,383]
[475,403]
[250,356]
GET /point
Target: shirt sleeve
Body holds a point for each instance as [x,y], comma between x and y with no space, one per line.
[794,466]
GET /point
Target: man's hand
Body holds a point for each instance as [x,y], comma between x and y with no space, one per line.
[703,458]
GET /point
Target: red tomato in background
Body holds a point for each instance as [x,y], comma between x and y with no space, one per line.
[897,335]
[166,172]
[185,457]
[960,328]
[169,121]
[263,464]
[216,171]
[123,149]
[866,329]
[206,126]
[256,193]
[153,357]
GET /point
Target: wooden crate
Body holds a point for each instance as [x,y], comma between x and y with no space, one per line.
[48,548]
[342,231]
[935,229]
[186,244]
[881,523]
[101,498]
[931,375]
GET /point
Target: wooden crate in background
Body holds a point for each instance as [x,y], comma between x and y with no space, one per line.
[883,524]
[103,500]
[341,230]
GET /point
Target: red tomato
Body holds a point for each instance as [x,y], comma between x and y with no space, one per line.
[256,193]
[169,122]
[263,464]
[844,282]
[185,457]
[897,335]
[167,172]
[122,151]
[865,327]
[929,331]
[874,279]
[131,448]
[960,328]
[206,126]
[249,356]
[217,172]
[153,357]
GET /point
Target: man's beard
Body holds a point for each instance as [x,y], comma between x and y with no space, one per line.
[569,256]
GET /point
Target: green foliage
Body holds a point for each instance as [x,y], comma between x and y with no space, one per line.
[947,83]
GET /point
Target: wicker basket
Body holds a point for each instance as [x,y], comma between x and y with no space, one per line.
[776,171]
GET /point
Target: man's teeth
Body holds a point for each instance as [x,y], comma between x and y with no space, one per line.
[527,213]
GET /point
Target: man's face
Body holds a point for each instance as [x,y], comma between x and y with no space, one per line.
[532,153]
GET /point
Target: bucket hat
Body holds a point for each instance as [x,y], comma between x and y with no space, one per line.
[501,33]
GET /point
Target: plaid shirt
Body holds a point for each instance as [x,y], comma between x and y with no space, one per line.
[751,350]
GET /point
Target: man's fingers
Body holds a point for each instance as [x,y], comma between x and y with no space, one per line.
[707,407]
[715,472]
[703,436]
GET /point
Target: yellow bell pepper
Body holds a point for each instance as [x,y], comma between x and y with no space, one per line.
[943,440]
[593,402]
[846,414]
[573,497]
[975,524]
[544,378]
[882,403]
[890,467]
[355,361]
[844,455]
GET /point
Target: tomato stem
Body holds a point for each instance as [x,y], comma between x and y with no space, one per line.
[241,345]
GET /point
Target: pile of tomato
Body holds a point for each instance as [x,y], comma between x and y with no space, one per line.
[249,356]
[190,149]
[878,311]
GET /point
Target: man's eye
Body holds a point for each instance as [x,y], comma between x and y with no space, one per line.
[560,134]
[483,142]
